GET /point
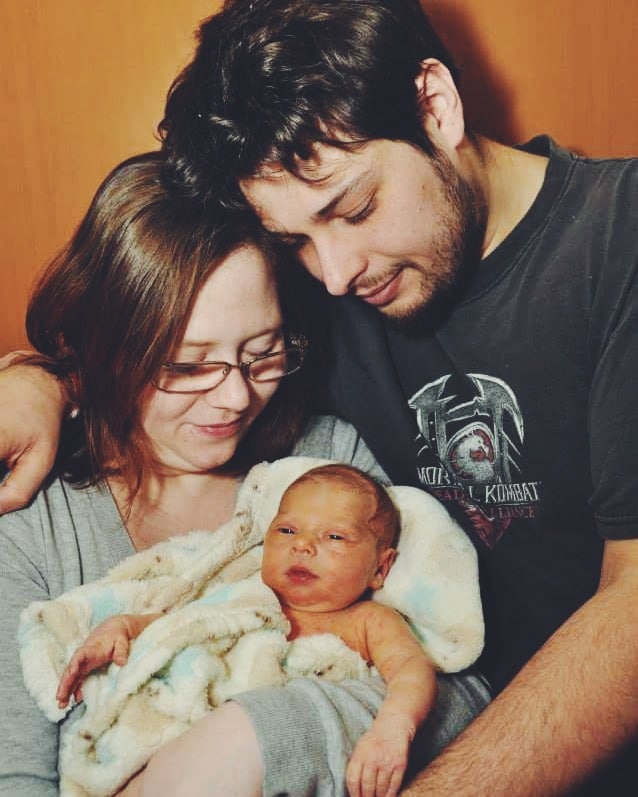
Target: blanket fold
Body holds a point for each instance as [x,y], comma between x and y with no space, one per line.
[223,631]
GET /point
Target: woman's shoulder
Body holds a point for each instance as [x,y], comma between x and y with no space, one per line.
[31,515]
[330,437]
[67,534]
[57,499]
[323,435]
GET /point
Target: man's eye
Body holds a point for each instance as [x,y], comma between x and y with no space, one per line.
[361,215]
[294,242]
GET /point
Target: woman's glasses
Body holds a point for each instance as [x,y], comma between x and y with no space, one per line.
[200,377]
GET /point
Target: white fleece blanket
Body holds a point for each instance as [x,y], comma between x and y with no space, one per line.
[223,631]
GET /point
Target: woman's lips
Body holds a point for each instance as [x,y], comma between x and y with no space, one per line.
[219,431]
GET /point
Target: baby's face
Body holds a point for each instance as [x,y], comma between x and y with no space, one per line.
[320,552]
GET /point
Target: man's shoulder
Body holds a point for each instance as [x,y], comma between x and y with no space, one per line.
[614,179]
[584,177]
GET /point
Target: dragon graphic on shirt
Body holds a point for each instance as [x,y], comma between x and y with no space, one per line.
[471,427]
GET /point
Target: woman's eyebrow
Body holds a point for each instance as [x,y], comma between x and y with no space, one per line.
[197,343]
[209,344]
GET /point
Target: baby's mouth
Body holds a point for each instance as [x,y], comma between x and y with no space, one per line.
[300,574]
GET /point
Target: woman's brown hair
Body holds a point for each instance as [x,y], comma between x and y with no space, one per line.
[108,310]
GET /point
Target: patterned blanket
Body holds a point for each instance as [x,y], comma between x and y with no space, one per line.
[223,630]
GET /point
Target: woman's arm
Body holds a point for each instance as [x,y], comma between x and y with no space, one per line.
[32,405]
[28,741]
[220,754]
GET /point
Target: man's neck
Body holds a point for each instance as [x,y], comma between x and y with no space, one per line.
[510,180]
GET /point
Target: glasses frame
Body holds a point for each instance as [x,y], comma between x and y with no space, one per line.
[299,345]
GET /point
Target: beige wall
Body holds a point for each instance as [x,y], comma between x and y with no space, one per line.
[567,67]
[83,84]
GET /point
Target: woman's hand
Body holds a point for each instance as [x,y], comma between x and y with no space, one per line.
[32,405]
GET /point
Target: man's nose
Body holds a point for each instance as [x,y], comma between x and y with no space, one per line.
[337,262]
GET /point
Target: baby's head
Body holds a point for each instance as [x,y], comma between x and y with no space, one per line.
[333,538]
[370,503]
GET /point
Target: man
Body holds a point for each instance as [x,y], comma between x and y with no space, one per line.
[485,333]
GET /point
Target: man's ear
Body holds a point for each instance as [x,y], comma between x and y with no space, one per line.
[386,558]
[440,103]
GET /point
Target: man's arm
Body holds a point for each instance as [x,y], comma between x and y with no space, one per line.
[32,405]
[380,757]
[569,709]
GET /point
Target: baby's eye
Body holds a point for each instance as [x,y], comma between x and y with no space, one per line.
[335,536]
[285,530]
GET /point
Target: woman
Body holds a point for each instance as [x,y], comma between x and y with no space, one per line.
[165,430]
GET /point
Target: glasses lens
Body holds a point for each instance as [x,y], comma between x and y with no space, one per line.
[274,366]
[190,377]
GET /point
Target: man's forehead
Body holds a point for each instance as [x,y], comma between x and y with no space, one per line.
[326,163]
[328,173]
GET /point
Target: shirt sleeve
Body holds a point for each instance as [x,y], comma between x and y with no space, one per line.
[330,437]
[613,346]
[28,741]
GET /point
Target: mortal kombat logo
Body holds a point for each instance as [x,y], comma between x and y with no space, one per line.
[469,450]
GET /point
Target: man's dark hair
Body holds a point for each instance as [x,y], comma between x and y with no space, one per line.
[272,77]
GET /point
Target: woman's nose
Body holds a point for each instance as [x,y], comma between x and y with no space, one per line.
[233,393]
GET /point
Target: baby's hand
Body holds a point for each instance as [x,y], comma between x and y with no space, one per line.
[378,762]
[109,641]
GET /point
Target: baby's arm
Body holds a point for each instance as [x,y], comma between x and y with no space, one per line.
[380,757]
[109,641]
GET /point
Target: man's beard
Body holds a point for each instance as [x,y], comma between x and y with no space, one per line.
[457,249]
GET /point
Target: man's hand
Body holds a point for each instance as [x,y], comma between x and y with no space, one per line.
[378,762]
[32,405]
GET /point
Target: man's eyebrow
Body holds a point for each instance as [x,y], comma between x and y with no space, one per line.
[328,209]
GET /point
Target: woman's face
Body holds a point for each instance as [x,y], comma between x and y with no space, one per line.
[236,317]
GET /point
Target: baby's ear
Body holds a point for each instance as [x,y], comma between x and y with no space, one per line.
[384,563]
